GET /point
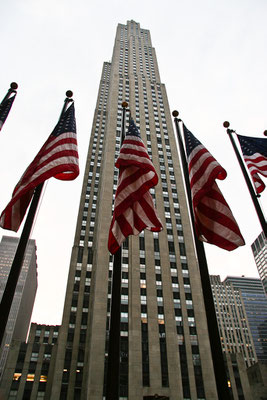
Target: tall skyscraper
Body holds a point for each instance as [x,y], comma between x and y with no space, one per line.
[255,302]
[232,320]
[22,306]
[259,249]
[165,346]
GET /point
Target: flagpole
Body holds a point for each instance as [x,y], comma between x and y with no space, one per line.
[12,89]
[215,341]
[113,369]
[253,195]
[16,266]
[6,103]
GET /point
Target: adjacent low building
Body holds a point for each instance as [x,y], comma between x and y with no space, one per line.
[22,306]
[257,376]
[237,377]
[30,365]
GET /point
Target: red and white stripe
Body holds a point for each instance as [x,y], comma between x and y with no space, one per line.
[57,158]
[214,220]
[257,164]
[134,208]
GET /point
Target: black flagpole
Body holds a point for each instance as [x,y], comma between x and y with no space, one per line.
[6,105]
[215,341]
[113,369]
[16,266]
[12,89]
[253,195]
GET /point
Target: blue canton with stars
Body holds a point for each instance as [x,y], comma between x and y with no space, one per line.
[66,123]
[251,145]
[190,141]
[133,130]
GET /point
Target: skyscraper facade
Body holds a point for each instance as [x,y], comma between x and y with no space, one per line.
[255,302]
[259,249]
[232,320]
[164,340]
[22,305]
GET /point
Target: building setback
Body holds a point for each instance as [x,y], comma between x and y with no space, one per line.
[259,249]
[165,348]
[232,320]
[22,305]
[255,302]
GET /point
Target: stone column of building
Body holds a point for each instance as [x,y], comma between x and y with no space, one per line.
[165,347]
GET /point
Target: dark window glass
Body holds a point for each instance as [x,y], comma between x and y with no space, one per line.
[156,244]
[190,313]
[80,255]
[90,256]
[180,329]
[182,249]
[124,366]
[160,310]
[171,247]
[141,243]
[163,357]
[184,371]
[145,355]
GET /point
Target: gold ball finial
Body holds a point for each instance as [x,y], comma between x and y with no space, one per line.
[124,104]
[226,124]
[14,85]
[69,93]
[175,113]
[265,133]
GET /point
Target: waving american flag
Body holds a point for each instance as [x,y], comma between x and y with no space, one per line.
[255,155]
[134,209]
[57,158]
[214,221]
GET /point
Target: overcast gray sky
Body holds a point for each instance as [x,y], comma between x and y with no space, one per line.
[212,58]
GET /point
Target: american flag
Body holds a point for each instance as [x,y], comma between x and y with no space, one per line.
[214,221]
[5,107]
[255,155]
[134,209]
[57,158]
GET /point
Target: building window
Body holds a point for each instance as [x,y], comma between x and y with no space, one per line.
[163,356]
[145,355]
